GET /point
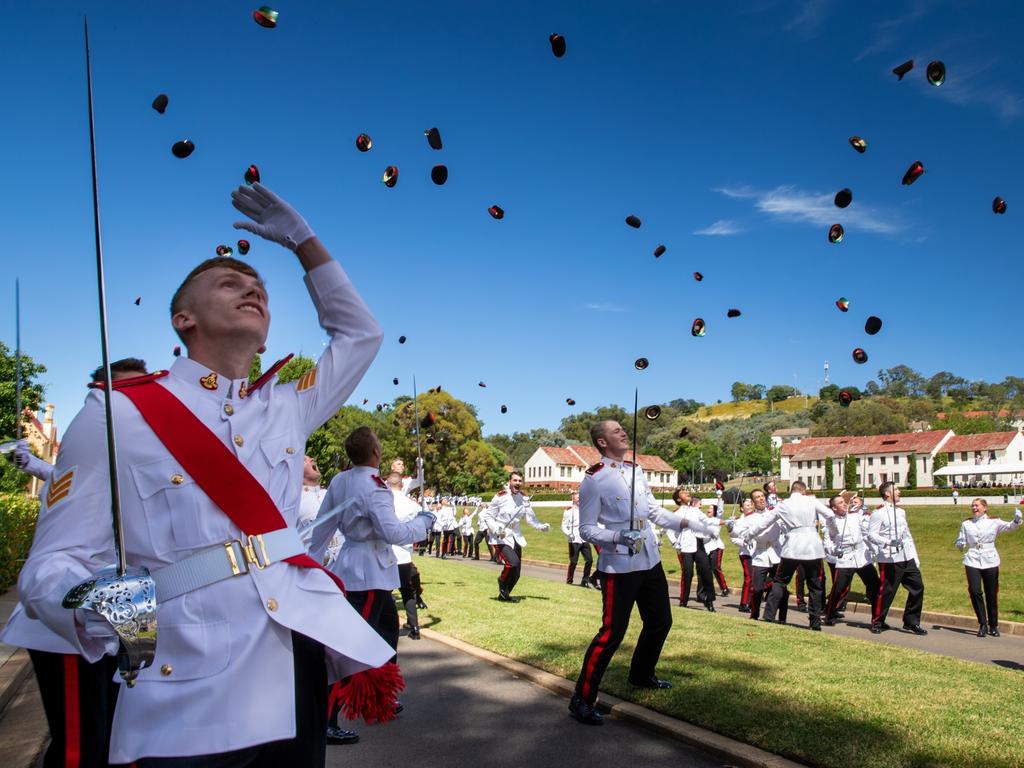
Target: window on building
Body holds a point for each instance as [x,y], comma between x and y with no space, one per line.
[896,477]
[992,478]
[882,461]
[819,463]
[991,455]
[871,461]
[924,463]
[963,456]
[799,478]
[871,478]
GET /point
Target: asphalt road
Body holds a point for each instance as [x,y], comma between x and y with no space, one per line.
[1006,651]
[463,711]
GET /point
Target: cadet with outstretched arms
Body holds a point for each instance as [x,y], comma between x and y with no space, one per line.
[502,518]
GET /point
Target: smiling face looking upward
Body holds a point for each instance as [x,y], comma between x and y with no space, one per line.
[222,299]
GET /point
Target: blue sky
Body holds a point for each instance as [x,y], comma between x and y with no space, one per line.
[724,129]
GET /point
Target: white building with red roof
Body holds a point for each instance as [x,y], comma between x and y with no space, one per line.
[989,457]
[878,458]
[562,468]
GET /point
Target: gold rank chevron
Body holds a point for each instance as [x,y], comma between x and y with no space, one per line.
[306,380]
[59,488]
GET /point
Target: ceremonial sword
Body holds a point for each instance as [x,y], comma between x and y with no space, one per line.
[124,596]
[8,446]
[419,454]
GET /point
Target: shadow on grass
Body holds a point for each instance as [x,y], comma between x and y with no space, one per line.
[1007,664]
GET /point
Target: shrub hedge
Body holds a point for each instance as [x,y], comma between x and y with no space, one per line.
[18,515]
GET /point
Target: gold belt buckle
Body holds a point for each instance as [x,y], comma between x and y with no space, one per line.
[229,547]
[253,555]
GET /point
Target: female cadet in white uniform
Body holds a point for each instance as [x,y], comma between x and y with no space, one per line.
[977,540]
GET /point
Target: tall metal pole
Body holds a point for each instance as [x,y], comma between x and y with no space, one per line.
[17,360]
[115,497]
[419,454]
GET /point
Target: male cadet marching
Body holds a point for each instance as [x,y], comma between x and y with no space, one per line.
[250,629]
[577,546]
[630,566]
[366,563]
[78,696]
[896,556]
[502,517]
[801,550]
[408,575]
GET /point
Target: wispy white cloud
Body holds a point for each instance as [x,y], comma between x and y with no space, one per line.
[968,86]
[808,20]
[787,203]
[605,307]
[721,227]
[888,32]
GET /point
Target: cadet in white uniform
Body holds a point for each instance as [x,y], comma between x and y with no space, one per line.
[801,550]
[845,539]
[577,546]
[408,575]
[481,535]
[255,633]
[977,540]
[715,548]
[630,566]
[765,548]
[896,556]
[366,563]
[503,516]
[746,551]
[446,519]
[691,555]
[466,531]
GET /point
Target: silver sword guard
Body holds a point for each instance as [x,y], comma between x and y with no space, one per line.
[128,603]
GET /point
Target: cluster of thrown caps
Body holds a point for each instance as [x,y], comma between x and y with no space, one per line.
[697,328]
[651,412]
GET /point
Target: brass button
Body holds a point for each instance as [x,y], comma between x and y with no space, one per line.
[177,479]
[229,409]
[271,604]
[289,450]
[166,670]
[239,441]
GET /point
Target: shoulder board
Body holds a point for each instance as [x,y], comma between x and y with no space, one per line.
[131,381]
[595,468]
[502,493]
[627,463]
[379,481]
[271,372]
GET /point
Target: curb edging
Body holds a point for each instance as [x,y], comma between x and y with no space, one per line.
[738,752]
[13,673]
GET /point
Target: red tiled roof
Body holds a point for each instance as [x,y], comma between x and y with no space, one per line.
[986,441]
[563,456]
[838,447]
[1003,413]
[591,455]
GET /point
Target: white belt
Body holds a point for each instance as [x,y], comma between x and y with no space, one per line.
[984,546]
[232,558]
[638,525]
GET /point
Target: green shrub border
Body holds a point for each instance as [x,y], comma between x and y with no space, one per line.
[18,515]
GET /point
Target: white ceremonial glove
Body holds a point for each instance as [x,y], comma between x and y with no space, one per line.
[545,527]
[632,539]
[1017,516]
[274,219]
[98,629]
[22,455]
[960,544]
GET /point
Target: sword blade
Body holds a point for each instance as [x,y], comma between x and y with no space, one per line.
[115,497]
[632,484]
[419,454]
[17,359]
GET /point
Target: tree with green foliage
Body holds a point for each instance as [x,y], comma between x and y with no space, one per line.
[863,417]
[912,471]
[781,392]
[941,460]
[12,480]
[850,473]
[828,472]
[829,392]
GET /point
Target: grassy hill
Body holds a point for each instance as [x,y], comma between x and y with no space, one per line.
[747,408]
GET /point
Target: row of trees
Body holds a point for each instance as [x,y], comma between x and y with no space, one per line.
[775,393]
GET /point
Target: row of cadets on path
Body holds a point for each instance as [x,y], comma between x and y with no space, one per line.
[273,629]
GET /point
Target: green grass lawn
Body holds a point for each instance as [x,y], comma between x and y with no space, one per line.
[825,700]
[934,529]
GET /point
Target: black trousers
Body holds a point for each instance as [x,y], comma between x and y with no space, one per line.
[480,536]
[467,542]
[434,543]
[986,607]
[309,747]
[745,589]
[409,582]
[842,578]
[761,582]
[511,557]
[378,609]
[813,572]
[893,575]
[648,590]
[705,574]
[800,591]
[715,558]
[448,543]
[78,699]
[575,550]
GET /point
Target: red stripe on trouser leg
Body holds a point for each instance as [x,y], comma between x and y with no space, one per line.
[606,633]
[506,569]
[72,723]
[881,590]
[745,594]
[682,575]
[368,606]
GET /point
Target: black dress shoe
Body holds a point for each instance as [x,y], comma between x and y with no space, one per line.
[829,622]
[421,605]
[816,627]
[876,629]
[584,712]
[652,683]
[725,592]
[505,597]
[994,631]
[839,615]
[744,608]
[341,736]
[982,630]
[399,707]
[917,629]
[710,607]
[414,633]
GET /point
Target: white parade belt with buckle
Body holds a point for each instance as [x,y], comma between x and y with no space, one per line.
[232,558]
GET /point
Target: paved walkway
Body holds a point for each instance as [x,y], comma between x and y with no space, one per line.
[463,711]
[1006,651]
